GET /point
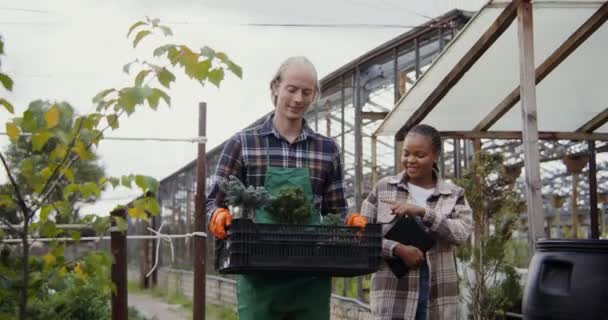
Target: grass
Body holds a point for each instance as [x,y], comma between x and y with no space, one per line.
[212,312]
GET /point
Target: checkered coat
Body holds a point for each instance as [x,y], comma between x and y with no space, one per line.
[448,219]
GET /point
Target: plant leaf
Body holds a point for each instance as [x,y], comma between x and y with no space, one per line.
[7,105]
[12,131]
[135,26]
[52,117]
[39,139]
[112,120]
[6,81]
[100,96]
[165,77]
[139,79]
[216,76]
[140,36]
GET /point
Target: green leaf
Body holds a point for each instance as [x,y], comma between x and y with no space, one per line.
[216,76]
[152,206]
[7,105]
[126,181]
[208,52]
[59,152]
[100,96]
[114,182]
[120,223]
[6,81]
[135,26]
[137,213]
[152,184]
[89,189]
[130,97]
[75,235]
[140,35]
[27,167]
[236,70]
[112,121]
[127,67]
[162,50]
[155,96]
[29,123]
[166,30]
[46,173]
[141,182]
[173,54]
[12,131]
[139,79]
[48,229]
[81,150]
[44,213]
[52,117]
[67,172]
[69,190]
[200,70]
[6,201]
[39,139]
[165,77]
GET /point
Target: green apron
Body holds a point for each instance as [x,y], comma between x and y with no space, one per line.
[276,296]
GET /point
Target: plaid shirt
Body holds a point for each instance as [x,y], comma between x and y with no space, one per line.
[448,218]
[245,156]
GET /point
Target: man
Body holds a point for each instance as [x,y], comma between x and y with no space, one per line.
[283,151]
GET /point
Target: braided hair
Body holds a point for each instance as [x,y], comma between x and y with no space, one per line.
[431,133]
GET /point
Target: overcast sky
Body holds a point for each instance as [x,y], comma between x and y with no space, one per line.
[66,50]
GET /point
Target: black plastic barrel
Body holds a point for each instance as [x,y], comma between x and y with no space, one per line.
[567,280]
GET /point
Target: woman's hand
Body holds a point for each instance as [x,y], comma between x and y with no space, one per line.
[403,209]
[411,256]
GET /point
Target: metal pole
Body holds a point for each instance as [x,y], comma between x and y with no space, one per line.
[358,158]
[374,160]
[118,245]
[417,44]
[530,125]
[595,230]
[342,137]
[200,244]
[442,161]
[396,82]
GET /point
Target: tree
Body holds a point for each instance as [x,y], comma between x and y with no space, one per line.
[491,193]
[28,151]
[34,184]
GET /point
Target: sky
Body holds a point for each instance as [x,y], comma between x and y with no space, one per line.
[69,50]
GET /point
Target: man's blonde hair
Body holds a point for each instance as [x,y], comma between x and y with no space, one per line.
[300,60]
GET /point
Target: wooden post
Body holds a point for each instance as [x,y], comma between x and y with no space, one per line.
[575,165]
[593,212]
[118,244]
[374,160]
[530,126]
[200,243]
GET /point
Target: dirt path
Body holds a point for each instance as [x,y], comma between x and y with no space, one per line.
[152,307]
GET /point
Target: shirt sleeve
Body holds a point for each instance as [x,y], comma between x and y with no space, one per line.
[369,209]
[230,163]
[455,229]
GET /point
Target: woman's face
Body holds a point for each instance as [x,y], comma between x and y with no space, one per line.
[295,92]
[418,156]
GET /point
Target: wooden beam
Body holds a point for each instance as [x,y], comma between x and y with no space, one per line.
[502,22]
[596,122]
[517,135]
[534,201]
[368,115]
[557,57]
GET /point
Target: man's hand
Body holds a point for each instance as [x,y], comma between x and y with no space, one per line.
[221,219]
[411,256]
[405,209]
[356,220]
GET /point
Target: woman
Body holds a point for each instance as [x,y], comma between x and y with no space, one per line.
[429,289]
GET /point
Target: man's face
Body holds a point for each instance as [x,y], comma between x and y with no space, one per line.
[295,92]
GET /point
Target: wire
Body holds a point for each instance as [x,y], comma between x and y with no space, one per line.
[25,10]
[202,140]
[331,25]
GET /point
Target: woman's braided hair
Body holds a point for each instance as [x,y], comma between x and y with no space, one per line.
[433,134]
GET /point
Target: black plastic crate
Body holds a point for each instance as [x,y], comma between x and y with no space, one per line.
[303,249]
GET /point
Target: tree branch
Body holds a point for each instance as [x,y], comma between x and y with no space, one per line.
[20,200]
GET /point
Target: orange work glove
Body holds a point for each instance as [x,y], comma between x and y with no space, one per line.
[221,219]
[356,220]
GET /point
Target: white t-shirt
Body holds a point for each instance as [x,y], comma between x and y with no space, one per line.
[420,194]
